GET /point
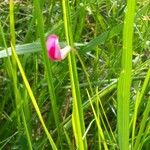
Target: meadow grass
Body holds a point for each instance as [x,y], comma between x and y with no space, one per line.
[97,98]
[124,83]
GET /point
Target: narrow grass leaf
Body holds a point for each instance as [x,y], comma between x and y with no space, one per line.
[33,99]
[26,130]
[145,114]
[77,114]
[103,140]
[137,103]
[124,83]
[13,63]
[48,69]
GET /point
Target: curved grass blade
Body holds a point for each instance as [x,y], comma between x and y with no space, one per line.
[33,99]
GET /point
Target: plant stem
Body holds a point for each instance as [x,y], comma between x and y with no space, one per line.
[124,82]
[77,114]
[48,68]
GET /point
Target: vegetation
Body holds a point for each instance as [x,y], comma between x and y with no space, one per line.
[97,98]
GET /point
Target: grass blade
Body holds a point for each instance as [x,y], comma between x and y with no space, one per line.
[124,83]
[98,123]
[77,114]
[48,68]
[13,64]
[145,114]
[33,99]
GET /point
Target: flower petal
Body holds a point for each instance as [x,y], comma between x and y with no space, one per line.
[53,48]
[65,51]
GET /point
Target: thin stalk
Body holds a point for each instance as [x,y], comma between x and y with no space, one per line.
[14,67]
[85,71]
[77,114]
[139,97]
[105,116]
[48,69]
[26,130]
[33,99]
[98,116]
[124,83]
[80,19]
[98,123]
[142,125]
[146,111]
[10,73]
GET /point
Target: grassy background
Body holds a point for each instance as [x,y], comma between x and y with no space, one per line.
[79,102]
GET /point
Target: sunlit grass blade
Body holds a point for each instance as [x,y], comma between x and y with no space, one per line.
[142,126]
[113,140]
[14,67]
[33,99]
[145,114]
[137,103]
[77,114]
[48,69]
[145,138]
[11,75]
[101,93]
[124,83]
[98,113]
[88,128]
[85,71]
[103,140]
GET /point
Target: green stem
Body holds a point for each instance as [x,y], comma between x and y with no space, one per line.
[14,67]
[33,99]
[124,82]
[26,130]
[48,68]
[77,115]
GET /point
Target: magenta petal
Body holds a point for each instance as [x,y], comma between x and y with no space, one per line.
[53,48]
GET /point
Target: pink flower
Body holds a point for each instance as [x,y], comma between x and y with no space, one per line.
[55,53]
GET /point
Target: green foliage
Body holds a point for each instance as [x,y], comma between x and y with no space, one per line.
[97,98]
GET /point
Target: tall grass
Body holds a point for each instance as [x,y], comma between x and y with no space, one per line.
[33,100]
[87,101]
[18,97]
[13,67]
[77,114]
[48,67]
[124,84]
